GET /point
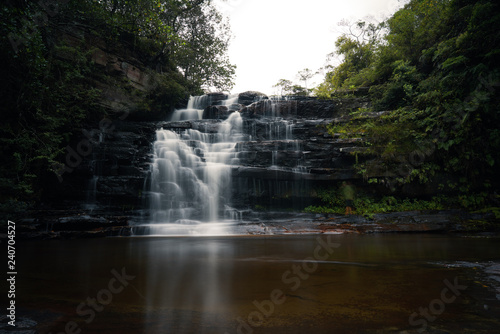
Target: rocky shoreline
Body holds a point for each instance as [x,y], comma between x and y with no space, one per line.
[75,225]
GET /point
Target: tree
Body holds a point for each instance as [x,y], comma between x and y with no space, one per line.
[418,26]
[200,53]
[357,49]
[299,91]
[284,86]
[190,36]
[305,75]
[436,71]
[363,31]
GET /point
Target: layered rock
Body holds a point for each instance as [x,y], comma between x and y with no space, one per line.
[216,98]
[247,98]
[285,154]
[111,179]
[127,80]
[216,112]
[309,108]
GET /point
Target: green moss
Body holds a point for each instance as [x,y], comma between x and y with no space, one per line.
[480,226]
[494,210]
[368,205]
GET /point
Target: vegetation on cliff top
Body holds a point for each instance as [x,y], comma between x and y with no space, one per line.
[433,69]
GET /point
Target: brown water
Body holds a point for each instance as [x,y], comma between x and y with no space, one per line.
[348,284]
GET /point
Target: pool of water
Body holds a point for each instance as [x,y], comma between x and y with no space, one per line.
[273,284]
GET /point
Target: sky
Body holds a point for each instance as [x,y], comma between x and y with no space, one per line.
[275,39]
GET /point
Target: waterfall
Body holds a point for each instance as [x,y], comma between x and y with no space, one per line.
[191,177]
[199,102]
[232,99]
[196,161]
[91,200]
[194,109]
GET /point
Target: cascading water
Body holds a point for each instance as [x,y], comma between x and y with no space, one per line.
[197,161]
[191,178]
[194,109]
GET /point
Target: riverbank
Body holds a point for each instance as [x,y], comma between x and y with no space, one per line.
[444,221]
[77,225]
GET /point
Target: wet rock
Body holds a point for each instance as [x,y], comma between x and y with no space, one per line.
[235,107]
[216,112]
[304,109]
[86,223]
[216,98]
[206,125]
[23,325]
[249,97]
[175,125]
[82,234]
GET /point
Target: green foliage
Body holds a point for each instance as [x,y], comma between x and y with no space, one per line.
[170,87]
[304,76]
[200,51]
[418,26]
[434,70]
[12,209]
[475,225]
[324,90]
[299,91]
[46,96]
[48,88]
[190,36]
[494,210]
[367,205]
[400,88]
[284,87]
[358,49]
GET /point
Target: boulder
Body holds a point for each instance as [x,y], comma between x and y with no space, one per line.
[216,112]
[250,97]
[216,98]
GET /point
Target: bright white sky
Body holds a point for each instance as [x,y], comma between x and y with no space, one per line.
[275,39]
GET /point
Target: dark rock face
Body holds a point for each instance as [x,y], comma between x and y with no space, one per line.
[321,154]
[216,112]
[284,154]
[216,98]
[304,109]
[112,178]
[250,97]
[290,153]
[126,80]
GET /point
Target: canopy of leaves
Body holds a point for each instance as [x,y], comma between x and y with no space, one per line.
[435,69]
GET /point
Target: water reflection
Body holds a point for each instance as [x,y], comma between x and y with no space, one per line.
[205,284]
[187,284]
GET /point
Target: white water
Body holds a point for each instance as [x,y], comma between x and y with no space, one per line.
[232,99]
[191,178]
[191,181]
[194,109]
[187,114]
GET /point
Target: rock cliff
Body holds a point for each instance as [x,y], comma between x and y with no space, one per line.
[286,154]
